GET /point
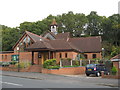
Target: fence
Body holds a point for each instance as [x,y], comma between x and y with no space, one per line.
[66,62]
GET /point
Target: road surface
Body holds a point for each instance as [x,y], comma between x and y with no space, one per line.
[55,81]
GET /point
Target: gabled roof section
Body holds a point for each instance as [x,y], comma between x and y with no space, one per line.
[51,33]
[86,44]
[64,36]
[33,36]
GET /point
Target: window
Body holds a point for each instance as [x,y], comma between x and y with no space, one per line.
[65,55]
[85,56]
[60,55]
[94,55]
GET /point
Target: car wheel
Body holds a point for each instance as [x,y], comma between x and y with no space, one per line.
[87,74]
[97,74]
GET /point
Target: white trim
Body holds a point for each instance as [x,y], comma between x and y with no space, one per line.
[113,60]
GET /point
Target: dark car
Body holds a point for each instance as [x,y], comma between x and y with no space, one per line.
[96,69]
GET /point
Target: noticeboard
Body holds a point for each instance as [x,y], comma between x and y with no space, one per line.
[15,58]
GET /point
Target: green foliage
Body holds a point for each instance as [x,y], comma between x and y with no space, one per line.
[49,62]
[13,62]
[77,62]
[23,64]
[114,70]
[0,63]
[53,67]
[71,66]
[115,51]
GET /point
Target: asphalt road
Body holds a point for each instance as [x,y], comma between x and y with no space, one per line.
[58,82]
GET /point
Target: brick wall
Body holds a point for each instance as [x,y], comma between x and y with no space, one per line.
[111,76]
[71,55]
[116,64]
[89,55]
[65,71]
[24,57]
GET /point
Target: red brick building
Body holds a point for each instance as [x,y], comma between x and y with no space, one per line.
[116,62]
[36,49]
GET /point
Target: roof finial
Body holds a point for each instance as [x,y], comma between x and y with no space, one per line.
[54,22]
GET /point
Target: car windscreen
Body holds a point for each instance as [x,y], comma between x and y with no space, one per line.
[90,65]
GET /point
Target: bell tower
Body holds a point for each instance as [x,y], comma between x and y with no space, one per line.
[54,26]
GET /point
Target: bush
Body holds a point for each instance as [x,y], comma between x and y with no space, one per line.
[49,62]
[53,67]
[1,63]
[114,70]
[76,62]
[13,62]
[22,64]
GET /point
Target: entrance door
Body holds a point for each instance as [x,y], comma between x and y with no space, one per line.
[39,58]
[39,61]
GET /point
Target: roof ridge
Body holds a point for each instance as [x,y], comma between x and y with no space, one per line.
[33,33]
[85,37]
[36,35]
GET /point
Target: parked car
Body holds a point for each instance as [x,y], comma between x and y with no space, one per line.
[5,64]
[96,69]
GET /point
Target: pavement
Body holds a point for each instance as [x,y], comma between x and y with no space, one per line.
[76,78]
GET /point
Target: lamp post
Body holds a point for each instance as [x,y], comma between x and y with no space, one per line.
[103,53]
[18,57]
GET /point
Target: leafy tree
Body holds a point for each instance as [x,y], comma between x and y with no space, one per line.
[94,25]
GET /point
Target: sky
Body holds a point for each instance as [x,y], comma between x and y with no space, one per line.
[14,12]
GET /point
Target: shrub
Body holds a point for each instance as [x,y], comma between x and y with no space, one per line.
[53,67]
[49,62]
[22,64]
[114,70]
[76,62]
[1,63]
[13,62]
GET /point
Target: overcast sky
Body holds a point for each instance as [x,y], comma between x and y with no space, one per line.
[14,12]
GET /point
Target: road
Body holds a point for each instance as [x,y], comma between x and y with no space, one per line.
[56,81]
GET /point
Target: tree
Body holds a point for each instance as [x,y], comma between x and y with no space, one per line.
[94,25]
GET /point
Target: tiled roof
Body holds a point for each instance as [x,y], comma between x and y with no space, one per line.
[35,37]
[63,35]
[86,44]
[46,32]
[52,44]
[40,45]
[116,57]
[60,45]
